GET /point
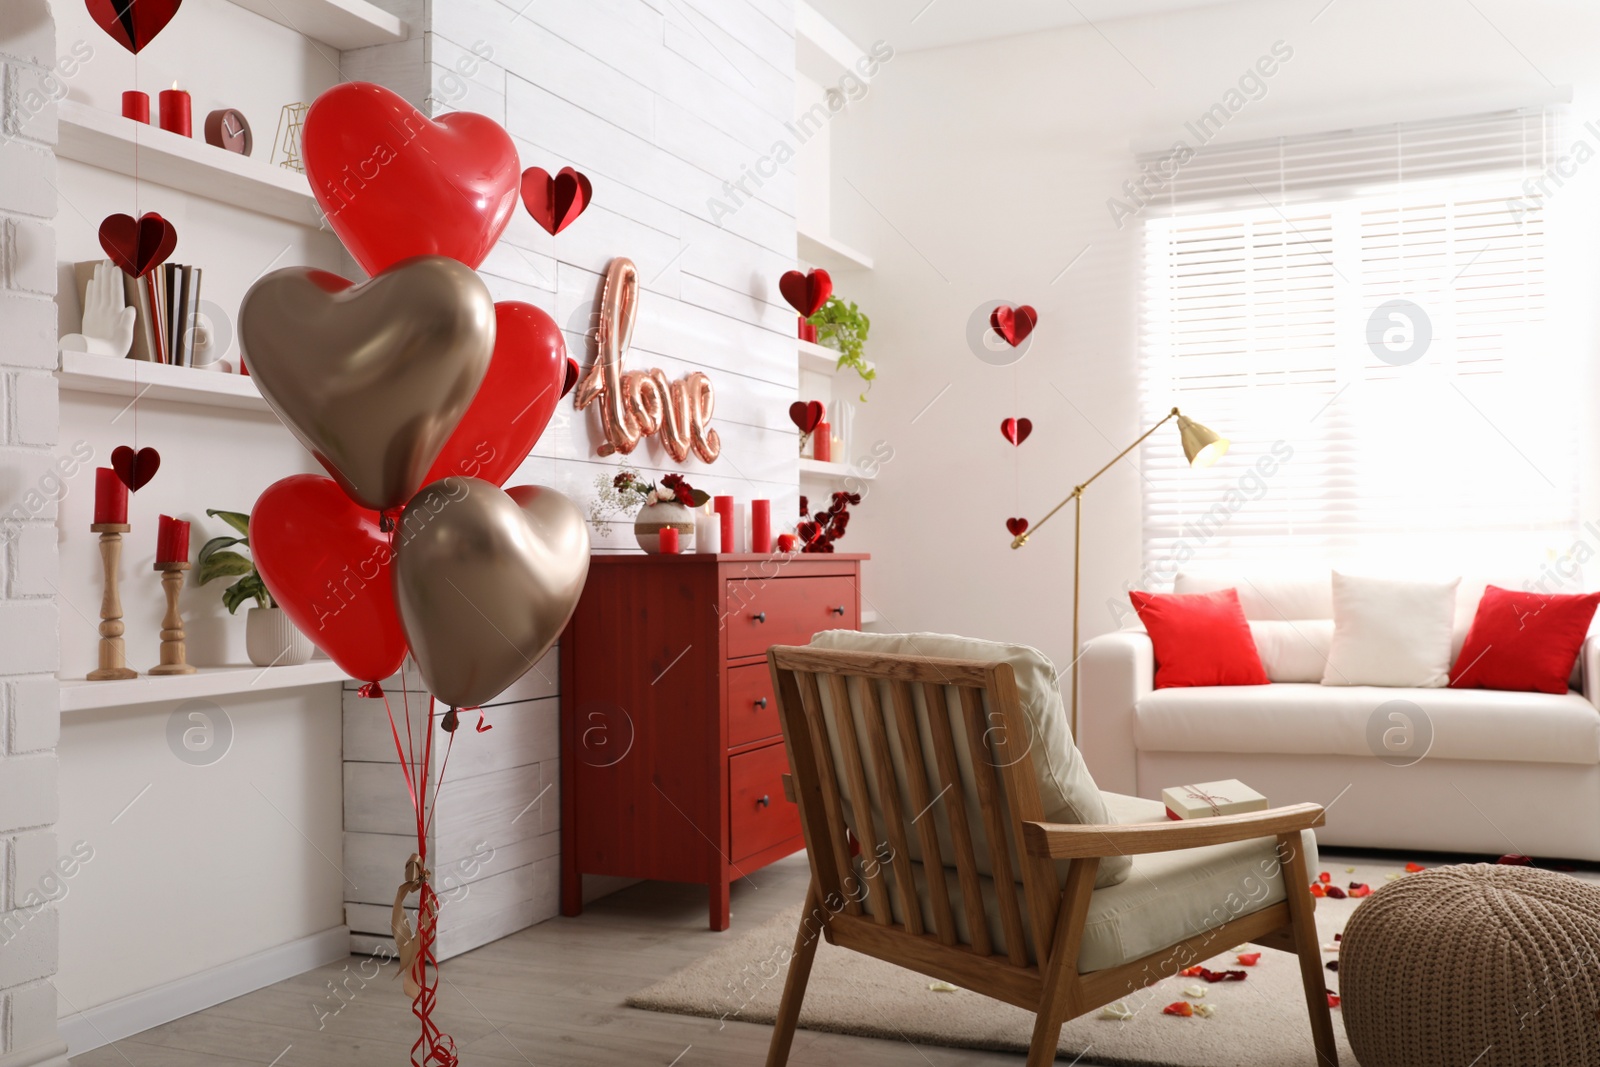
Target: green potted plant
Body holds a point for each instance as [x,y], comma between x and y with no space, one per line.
[843,327]
[270,639]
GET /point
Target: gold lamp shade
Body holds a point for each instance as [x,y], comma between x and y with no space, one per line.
[1202,446]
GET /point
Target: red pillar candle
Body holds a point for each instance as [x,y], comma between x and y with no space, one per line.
[761,526]
[669,540]
[172,541]
[110,498]
[723,505]
[822,443]
[175,111]
[136,106]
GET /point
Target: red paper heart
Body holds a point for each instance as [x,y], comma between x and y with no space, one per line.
[133,23]
[808,531]
[1014,324]
[135,469]
[555,203]
[806,416]
[139,245]
[514,404]
[572,376]
[396,184]
[1017,526]
[806,293]
[1016,430]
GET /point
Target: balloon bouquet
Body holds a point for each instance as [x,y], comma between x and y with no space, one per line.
[420,396]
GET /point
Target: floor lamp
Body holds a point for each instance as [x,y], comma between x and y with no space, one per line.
[1201,446]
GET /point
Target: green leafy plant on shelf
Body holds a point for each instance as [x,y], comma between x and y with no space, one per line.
[843,327]
[216,560]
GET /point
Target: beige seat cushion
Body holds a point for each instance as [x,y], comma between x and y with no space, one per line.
[1288,719]
[1066,788]
[1168,897]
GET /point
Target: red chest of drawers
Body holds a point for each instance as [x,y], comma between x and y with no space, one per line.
[671,755]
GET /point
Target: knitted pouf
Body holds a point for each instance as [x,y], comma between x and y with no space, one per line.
[1474,964]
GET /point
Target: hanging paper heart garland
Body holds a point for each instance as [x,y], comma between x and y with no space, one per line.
[135,469]
[1017,526]
[1014,324]
[555,203]
[806,293]
[806,416]
[133,23]
[1016,430]
[139,245]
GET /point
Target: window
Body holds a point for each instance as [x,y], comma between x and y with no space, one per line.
[1366,316]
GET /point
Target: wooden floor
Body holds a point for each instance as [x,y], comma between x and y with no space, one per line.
[549,996]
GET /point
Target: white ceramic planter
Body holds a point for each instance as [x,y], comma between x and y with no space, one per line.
[652,518]
[271,640]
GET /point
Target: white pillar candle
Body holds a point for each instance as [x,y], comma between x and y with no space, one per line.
[707,530]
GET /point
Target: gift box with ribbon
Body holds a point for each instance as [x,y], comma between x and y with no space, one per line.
[1209,799]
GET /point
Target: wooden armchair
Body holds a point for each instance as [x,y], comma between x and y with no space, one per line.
[873,804]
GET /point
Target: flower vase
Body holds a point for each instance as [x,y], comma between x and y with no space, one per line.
[271,640]
[652,518]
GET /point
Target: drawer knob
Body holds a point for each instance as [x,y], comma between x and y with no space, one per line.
[760,616]
[763,801]
[761,703]
[839,610]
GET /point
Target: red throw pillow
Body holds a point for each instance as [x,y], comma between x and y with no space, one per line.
[1200,639]
[1523,641]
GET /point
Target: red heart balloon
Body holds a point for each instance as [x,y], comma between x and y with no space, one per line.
[515,401]
[327,564]
[135,469]
[555,203]
[133,23]
[396,184]
[139,245]
[1016,430]
[806,416]
[1014,324]
[1017,526]
[806,293]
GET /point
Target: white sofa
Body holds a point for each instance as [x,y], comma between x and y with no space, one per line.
[1505,772]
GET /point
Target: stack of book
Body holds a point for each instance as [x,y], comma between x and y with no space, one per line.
[166,299]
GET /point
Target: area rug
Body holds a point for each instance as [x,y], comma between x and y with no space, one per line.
[1259,1022]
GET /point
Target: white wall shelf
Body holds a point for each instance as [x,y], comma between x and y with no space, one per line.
[80,695]
[816,470]
[823,251]
[107,140]
[344,24]
[137,378]
[817,357]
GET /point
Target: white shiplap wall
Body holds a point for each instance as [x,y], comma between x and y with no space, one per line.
[660,103]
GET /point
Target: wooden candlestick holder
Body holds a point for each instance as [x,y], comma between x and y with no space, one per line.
[172,643]
[113,654]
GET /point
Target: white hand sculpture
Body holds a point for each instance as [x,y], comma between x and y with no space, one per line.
[107,322]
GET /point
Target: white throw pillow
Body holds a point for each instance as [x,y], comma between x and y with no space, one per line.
[1391,632]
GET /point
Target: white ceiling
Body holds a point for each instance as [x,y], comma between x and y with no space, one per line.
[909,25]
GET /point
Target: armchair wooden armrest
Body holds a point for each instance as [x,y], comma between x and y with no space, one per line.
[1057,841]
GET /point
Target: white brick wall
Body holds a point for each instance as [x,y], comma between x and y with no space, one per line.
[29,642]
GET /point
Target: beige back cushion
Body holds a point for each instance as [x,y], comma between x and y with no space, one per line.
[1066,789]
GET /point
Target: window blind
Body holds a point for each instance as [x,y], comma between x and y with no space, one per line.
[1364,314]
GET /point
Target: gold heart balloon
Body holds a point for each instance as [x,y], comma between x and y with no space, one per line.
[485,581]
[636,404]
[372,378]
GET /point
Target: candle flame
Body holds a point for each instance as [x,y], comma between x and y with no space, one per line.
[174,83]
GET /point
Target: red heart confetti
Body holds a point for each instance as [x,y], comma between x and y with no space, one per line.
[806,416]
[555,203]
[1016,430]
[1013,324]
[135,469]
[806,293]
[1018,527]
[1249,959]
[1179,1007]
[139,245]
[133,23]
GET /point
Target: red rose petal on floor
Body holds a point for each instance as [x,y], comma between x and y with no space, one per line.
[1413,868]
[1179,1007]
[1338,937]
[1192,972]
[1360,889]
[1336,893]
[1249,959]
[1333,1000]
[1317,890]
[1324,877]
